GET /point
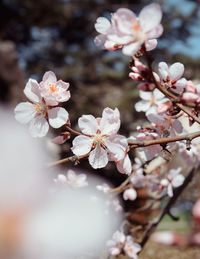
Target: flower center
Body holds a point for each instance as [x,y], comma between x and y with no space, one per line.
[41,108]
[98,138]
[52,86]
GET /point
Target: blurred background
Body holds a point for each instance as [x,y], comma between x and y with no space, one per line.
[58,35]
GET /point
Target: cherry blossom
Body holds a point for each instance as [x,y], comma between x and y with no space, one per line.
[117,243]
[173,180]
[100,137]
[37,112]
[131,248]
[128,32]
[120,243]
[170,77]
[165,123]
[150,101]
[53,91]
[147,153]
[72,179]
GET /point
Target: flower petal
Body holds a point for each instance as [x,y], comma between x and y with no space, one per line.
[88,124]
[49,76]
[25,112]
[145,95]
[81,145]
[32,91]
[38,127]
[116,146]
[98,157]
[102,25]
[151,44]
[176,71]
[142,106]
[131,49]
[110,121]
[155,32]
[100,40]
[57,117]
[163,70]
[150,16]
[124,166]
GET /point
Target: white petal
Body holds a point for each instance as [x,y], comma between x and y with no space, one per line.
[49,76]
[152,109]
[163,70]
[131,49]
[118,39]
[155,32]
[151,44]
[176,71]
[150,16]
[98,157]
[124,166]
[25,112]
[81,145]
[38,126]
[32,91]
[57,117]
[88,124]
[158,94]
[100,40]
[145,95]
[102,25]
[178,180]
[142,106]
[117,146]
[110,122]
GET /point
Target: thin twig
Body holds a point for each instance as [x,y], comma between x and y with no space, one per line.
[73,159]
[189,137]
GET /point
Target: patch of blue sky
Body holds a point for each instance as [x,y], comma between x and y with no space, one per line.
[191,45]
[185,7]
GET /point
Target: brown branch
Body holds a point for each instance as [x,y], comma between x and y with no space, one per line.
[187,137]
[167,93]
[134,144]
[177,193]
[72,131]
[73,159]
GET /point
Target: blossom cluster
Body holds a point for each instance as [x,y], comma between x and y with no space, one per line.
[162,93]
